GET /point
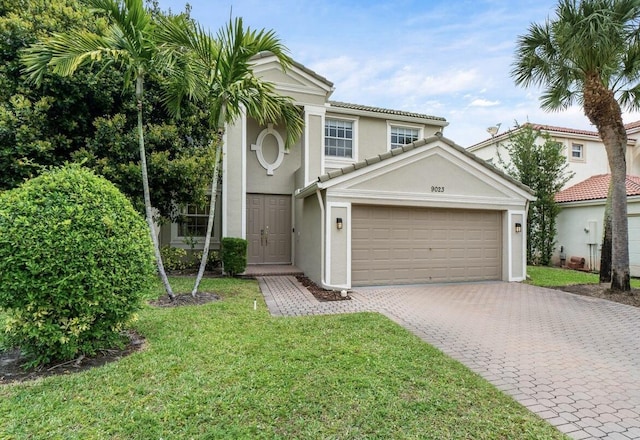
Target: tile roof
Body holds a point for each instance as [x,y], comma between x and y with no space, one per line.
[540,127]
[563,129]
[383,110]
[595,188]
[632,125]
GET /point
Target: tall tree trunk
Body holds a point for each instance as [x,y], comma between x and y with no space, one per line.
[145,187]
[220,127]
[212,211]
[605,253]
[620,276]
[604,112]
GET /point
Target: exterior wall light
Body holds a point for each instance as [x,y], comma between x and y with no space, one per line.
[339,223]
[518,227]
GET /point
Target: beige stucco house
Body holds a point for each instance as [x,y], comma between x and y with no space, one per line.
[367,196]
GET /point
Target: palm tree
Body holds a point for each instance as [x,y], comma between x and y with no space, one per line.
[128,43]
[589,54]
[220,72]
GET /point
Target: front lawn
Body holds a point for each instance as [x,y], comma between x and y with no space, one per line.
[545,276]
[223,370]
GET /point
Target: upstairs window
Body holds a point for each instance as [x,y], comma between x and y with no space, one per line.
[577,152]
[403,135]
[338,138]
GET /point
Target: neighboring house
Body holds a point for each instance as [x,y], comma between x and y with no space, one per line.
[585,152]
[367,196]
[582,201]
[581,218]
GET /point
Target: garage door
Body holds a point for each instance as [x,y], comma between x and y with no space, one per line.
[400,245]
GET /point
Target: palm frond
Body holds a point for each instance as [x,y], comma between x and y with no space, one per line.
[63,54]
[586,38]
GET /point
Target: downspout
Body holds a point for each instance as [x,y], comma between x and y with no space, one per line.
[322,243]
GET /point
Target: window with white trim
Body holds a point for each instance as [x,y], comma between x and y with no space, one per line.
[577,152]
[193,221]
[403,135]
[338,138]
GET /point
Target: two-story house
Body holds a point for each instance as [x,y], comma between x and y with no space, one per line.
[368,195]
[584,150]
[582,200]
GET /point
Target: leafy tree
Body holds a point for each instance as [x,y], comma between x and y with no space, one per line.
[127,42]
[218,73]
[543,168]
[86,117]
[41,127]
[589,54]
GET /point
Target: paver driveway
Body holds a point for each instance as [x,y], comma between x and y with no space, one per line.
[573,360]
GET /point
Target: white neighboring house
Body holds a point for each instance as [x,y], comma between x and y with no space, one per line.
[584,150]
[583,198]
[580,220]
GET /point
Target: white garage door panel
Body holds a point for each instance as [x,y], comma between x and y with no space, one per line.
[418,245]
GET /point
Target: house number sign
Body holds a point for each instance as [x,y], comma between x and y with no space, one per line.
[437,189]
[257,147]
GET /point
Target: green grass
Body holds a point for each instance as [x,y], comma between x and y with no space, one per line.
[223,370]
[554,276]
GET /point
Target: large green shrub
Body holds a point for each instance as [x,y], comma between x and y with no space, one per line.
[76,260]
[234,255]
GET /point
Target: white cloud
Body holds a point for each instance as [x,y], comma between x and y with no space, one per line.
[479,102]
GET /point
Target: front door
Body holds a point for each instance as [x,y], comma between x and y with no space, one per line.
[269,229]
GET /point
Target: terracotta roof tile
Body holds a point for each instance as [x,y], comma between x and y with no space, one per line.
[540,127]
[632,125]
[564,130]
[595,188]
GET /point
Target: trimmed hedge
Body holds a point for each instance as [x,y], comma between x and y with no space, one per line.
[234,255]
[76,260]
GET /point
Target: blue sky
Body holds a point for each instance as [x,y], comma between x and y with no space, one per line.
[443,58]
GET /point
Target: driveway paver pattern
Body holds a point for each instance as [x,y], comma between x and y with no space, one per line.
[573,360]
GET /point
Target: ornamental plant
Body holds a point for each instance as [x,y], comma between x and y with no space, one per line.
[234,255]
[76,260]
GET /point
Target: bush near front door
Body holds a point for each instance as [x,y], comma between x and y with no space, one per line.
[234,255]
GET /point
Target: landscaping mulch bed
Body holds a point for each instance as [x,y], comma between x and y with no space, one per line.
[631,298]
[11,362]
[320,293]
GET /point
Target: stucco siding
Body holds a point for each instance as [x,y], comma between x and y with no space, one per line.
[282,181]
[575,231]
[338,240]
[517,242]
[234,180]
[309,239]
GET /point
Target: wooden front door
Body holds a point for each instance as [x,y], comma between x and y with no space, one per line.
[269,229]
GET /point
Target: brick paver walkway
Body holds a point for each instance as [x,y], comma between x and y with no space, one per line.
[573,360]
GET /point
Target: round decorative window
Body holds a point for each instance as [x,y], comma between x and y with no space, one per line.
[258,148]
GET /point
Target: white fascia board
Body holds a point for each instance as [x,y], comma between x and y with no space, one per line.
[405,198]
